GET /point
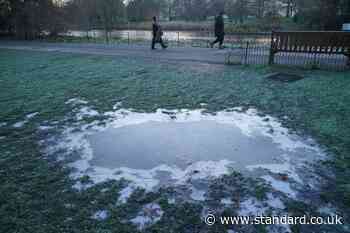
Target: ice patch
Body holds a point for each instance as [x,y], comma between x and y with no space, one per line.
[44,127]
[275,202]
[252,207]
[226,201]
[75,139]
[75,101]
[141,222]
[286,228]
[202,170]
[28,117]
[147,179]
[150,214]
[100,215]
[328,210]
[117,105]
[249,122]
[171,200]
[281,186]
[20,124]
[31,115]
[125,194]
[86,112]
[283,168]
[197,195]
[231,231]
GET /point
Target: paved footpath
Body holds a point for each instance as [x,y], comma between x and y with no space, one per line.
[203,55]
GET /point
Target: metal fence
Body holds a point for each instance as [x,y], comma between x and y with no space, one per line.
[252,53]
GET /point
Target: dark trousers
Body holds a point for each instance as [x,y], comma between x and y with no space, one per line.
[160,41]
[219,39]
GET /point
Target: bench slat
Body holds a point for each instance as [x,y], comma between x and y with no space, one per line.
[316,42]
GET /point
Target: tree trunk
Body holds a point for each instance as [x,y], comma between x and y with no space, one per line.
[289,4]
[261,8]
[169,12]
[106,34]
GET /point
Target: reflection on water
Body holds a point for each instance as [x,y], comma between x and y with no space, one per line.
[169,35]
[148,145]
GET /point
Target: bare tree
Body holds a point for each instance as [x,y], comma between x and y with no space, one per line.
[170,8]
[260,8]
[237,9]
[110,13]
[143,10]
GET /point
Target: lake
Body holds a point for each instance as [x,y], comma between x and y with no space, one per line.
[171,35]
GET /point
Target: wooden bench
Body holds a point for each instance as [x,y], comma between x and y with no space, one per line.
[315,42]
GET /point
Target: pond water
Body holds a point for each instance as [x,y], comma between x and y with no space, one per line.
[148,145]
[169,35]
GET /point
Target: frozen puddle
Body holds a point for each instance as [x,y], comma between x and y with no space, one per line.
[151,144]
[175,147]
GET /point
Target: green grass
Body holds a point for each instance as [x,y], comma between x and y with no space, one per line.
[35,192]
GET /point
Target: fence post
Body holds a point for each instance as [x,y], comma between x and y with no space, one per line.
[178,39]
[208,45]
[128,37]
[272,52]
[246,54]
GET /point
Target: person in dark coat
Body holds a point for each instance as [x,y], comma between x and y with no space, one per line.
[157,34]
[219,30]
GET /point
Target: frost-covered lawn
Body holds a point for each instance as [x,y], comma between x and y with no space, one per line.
[36,90]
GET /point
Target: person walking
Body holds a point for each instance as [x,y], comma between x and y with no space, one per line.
[157,34]
[219,31]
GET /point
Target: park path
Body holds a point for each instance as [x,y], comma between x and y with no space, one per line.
[255,56]
[191,54]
